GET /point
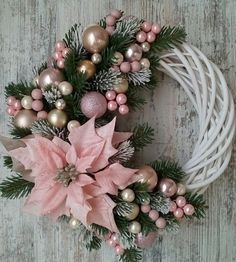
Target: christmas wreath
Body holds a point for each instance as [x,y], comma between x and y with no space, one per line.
[70,161]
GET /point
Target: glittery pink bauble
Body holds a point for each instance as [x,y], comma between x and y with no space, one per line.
[60,45]
[180,201]
[42,115]
[156,28]
[146,241]
[116,13]
[11,100]
[141,36]
[125,67]
[145,208]
[161,222]
[178,213]
[65,52]
[112,105]
[121,99]
[110,95]
[37,105]
[189,210]
[119,250]
[110,29]
[153,214]
[93,104]
[151,37]
[168,187]
[135,66]
[123,109]
[37,94]
[17,105]
[10,111]
[146,26]
[110,20]
[173,206]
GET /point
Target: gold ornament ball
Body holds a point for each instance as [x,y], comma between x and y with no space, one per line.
[119,58]
[26,102]
[60,104]
[181,189]
[95,39]
[57,118]
[74,223]
[96,58]
[134,212]
[135,227]
[87,67]
[122,87]
[148,175]
[73,124]
[128,195]
[25,118]
[145,63]
[65,88]
[145,46]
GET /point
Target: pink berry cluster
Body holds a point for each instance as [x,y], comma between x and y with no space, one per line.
[113,241]
[148,33]
[154,215]
[14,106]
[61,51]
[179,207]
[117,101]
[111,20]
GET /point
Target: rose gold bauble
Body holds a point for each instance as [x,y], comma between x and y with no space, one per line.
[87,67]
[147,241]
[65,88]
[148,175]
[135,227]
[134,212]
[93,104]
[57,118]
[26,102]
[25,118]
[168,187]
[134,53]
[122,87]
[95,39]
[50,76]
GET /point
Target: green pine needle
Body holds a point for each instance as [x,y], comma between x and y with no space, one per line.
[95,243]
[172,224]
[15,187]
[143,135]
[134,100]
[99,230]
[18,90]
[131,255]
[168,169]
[168,38]
[147,224]
[17,132]
[7,162]
[38,70]
[199,205]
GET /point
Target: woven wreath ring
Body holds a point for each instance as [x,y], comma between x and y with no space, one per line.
[207,89]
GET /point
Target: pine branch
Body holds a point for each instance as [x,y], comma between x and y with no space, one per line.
[51,94]
[122,207]
[141,194]
[168,38]
[99,230]
[38,70]
[105,80]
[147,224]
[172,225]
[139,78]
[131,255]
[102,22]
[15,187]
[199,205]
[18,90]
[143,135]
[73,106]
[17,132]
[168,169]
[134,100]
[7,162]
[108,58]
[95,243]
[153,59]
[160,202]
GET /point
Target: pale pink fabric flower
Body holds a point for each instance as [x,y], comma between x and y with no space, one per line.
[87,154]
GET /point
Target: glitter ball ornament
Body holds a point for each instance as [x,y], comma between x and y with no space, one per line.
[93,104]
[26,102]
[135,227]
[65,88]
[50,76]
[96,58]
[37,94]
[74,223]
[57,118]
[168,187]
[147,174]
[128,195]
[60,104]
[87,67]
[73,124]
[25,118]
[134,212]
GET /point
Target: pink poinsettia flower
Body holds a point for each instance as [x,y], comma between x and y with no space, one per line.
[75,177]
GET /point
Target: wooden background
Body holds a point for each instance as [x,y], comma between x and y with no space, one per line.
[28,30]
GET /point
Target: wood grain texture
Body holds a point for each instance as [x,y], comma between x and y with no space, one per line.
[28,30]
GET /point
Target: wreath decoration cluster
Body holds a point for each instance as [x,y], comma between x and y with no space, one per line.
[72,164]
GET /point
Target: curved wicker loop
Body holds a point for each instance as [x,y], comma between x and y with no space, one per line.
[206,87]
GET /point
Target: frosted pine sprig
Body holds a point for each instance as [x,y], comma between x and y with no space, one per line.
[129,25]
[140,77]
[105,80]
[52,94]
[124,153]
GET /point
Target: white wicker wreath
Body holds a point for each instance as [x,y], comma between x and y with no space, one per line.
[206,87]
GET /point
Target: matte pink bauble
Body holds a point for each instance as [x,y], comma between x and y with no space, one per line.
[161,223]
[168,187]
[50,76]
[147,174]
[116,13]
[146,241]
[93,104]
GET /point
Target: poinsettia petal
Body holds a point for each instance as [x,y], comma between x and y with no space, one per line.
[83,164]
[84,180]
[61,144]
[102,212]
[119,137]
[71,156]
[94,190]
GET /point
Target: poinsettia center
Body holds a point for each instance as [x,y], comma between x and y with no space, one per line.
[66,175]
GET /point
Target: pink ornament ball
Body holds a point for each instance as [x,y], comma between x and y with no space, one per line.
[110,20]
[154,215]
[151,37]
[146,26]
[57,55]
[115,238]
[178,213]
[111,243]
[141,36]
[61,63]
[110,29]
[121,99]
[189,210]
[173,206]
[11,100]
[135,66]
[116,68]
[17,105]
[180,201]
[37,105]
[125,67]
[110,95]
[42,115]
[161,223]
[156,28]
[112,105]
[116,13]
[37,94]
[65,52]
[145,208]
[93,104]
[60,45]
[11,111]
[119,250]
[123,109]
